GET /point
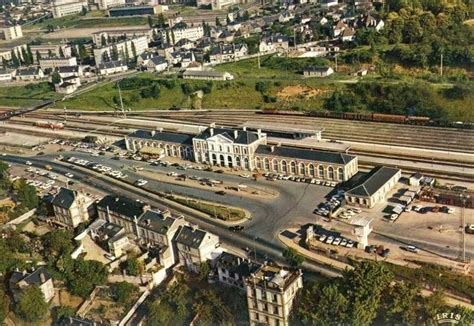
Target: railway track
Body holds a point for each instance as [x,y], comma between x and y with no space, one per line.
[361,131]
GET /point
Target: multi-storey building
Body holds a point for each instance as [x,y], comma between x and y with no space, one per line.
[9,33]
[98,37]
[55,62]
[227,53]
[72,208]
[195,246]
[112,67]
[271,291]
[233,270]
[124,49]
[158,229]
[179,32]
[106,4]
[67,8]
[51,50]
[247,150]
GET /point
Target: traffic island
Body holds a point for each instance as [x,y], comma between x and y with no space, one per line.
[227,214]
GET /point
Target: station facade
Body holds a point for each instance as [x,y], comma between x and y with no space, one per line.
[245,150]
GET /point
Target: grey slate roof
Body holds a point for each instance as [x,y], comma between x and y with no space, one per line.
[65,198]
[190,237]
[30,279]
[30,71]
[122,206]
[243,137]
[156,221]
[373,181]
[68,69]
[316,68]
[305,154]
[236,265]
[112,64]
[164,136]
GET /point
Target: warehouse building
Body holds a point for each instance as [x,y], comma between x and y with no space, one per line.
[133,11]
[373,187]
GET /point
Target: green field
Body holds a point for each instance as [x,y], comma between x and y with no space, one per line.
[93,20]
[21,96]
[237,94]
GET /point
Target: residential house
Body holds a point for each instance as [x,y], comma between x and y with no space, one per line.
[207,75]
[72,207]
[112,235]
[19,281]
[196,246]
[29,74]
[112,67]
[233,270]
[158,229]
[317,71]
[285,17]
[7,75]
[227,53]
[274,43]
[69,71]
[271,292]
[156,64]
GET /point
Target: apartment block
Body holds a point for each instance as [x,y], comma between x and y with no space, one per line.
[271,291]
[106,4]
[176,34]
[63,8]
[57,62]
[10,32]
[123,49]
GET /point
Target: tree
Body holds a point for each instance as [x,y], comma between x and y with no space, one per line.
[82,52]
[29,54]
[38,56]
[115,54]
[433,305]
[400,304]
[4,305]
[150,22]
[57,243]
[83,11]
[103,40]
[218,22]
[32,306]
[159,313]
[161,20]
[204,270]
[61,52]
[293,257]
[123,292]
[27,196]
[15,60]
[261,87]
[86,275]
[134,51]
[134,267]
[63,311]
[56,78]
[363,287]
[210,309]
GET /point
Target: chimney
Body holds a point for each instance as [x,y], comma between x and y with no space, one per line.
[272,148]
[259,133]
[236,134]
[42,277]
[160,129]
[211,131]
[239,260]
[153,132]
[117,199]
[147,221]
[244,128]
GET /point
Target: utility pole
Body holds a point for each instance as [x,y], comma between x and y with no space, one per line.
[121,101]
[464,198]
[65,114]
[335,56]
[441,65]
[258,59]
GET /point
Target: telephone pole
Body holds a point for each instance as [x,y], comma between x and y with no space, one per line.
[121,101]
[441,65]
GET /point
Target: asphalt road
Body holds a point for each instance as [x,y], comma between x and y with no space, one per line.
[264,248]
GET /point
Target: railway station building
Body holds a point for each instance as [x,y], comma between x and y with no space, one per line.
[246,150]
[373,187]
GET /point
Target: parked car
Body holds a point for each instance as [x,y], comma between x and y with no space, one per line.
[343,242]
[350,244]
[337,241]
[412,249]
[470,229]
[236,228]
[330,239]
[385,252]
[28,163]
[221,192]
[69,175]
[322,238]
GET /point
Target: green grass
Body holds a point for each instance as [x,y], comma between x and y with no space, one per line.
[86,22]
[30,94]
[217,211]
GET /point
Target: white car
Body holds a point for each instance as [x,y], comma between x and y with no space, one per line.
[28,163]
[343,242]
[141,182]
[322,238]
[413,249]
[356,210]
[350,244]
[450,210]
[393,217]
[69,175]
[337,241]
[246,176]
[172,174]
[330,239]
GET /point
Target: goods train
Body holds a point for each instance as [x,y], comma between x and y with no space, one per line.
[49,125]
[378,117]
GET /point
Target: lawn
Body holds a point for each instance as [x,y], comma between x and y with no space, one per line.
[92,20]
[307,94]
[21,96]
[217,211]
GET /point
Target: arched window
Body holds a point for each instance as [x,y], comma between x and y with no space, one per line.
[302,168]
[321,171]
[237,161]
[311,169]
[284,166]
[341,173]
[275,165]
[246,163]
[293,167]
[266,164]
[330,172]
[258,162]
